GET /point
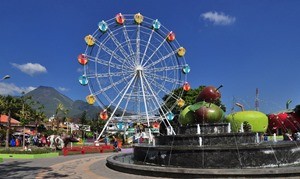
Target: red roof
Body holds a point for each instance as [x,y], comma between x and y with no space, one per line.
[3,120]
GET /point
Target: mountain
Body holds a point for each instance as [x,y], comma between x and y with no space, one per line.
[79,105]
[50,98]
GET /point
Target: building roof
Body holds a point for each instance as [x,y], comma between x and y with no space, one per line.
[3,120]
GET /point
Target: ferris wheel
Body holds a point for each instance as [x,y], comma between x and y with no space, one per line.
[132,64]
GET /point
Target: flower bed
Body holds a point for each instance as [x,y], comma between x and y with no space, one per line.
[87,149]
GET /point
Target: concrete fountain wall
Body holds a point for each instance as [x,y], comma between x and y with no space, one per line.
[214,146]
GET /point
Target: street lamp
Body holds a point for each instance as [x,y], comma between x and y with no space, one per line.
[5,77]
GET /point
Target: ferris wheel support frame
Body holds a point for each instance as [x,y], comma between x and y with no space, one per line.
[156,100]
[145,104]
[111,116]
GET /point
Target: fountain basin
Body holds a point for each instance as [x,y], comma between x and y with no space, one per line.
[123,162]
[207,139]
[264,154]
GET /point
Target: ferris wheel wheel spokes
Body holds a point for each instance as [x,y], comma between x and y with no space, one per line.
[132,65]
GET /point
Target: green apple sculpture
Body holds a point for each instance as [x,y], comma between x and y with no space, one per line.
[257,120]
[187,116]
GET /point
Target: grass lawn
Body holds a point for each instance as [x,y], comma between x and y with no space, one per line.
[34,152]
[30,156]
[279,137]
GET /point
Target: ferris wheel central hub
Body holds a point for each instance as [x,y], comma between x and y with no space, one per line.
[139,68]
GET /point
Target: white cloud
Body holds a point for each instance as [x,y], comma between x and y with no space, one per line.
[30,68]
[12,89]
[63,89]
[218,18]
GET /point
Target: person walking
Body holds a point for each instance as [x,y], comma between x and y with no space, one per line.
[115,144]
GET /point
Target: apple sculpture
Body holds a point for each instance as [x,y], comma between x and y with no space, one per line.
[204,110]
[209,94]
[186,116]
[257,120]
[207,112]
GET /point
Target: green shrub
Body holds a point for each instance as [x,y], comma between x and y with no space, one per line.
[89,134]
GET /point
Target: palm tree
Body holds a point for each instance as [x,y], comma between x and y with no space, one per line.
[19,108]
[60,108]
[8,105]
[27,113]
[83,122]
[39,116]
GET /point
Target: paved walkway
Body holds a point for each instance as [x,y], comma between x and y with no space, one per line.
[88,166]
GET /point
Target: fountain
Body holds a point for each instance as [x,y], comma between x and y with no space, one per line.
[231,147]
[216,150]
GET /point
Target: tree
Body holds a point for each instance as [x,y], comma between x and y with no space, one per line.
[39,116]
[297,110]
[96,124]
[59,109]
[8,106]
[83,121]
[26,113]
[20,109]
[246,126]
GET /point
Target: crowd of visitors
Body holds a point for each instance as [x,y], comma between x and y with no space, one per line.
[292,137]
[39,140]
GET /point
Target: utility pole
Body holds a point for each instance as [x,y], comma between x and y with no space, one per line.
[256,100]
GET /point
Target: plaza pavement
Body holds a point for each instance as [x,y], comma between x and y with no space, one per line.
[87,166]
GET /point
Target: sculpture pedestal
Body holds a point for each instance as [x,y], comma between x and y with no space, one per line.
[216,148]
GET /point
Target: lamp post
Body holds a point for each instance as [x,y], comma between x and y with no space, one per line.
[5,77]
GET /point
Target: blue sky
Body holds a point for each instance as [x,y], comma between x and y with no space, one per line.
[243,45]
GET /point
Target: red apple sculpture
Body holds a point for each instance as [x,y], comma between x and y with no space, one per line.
[207,112]
[209,94]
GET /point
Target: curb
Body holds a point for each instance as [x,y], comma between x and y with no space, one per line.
[179,172]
